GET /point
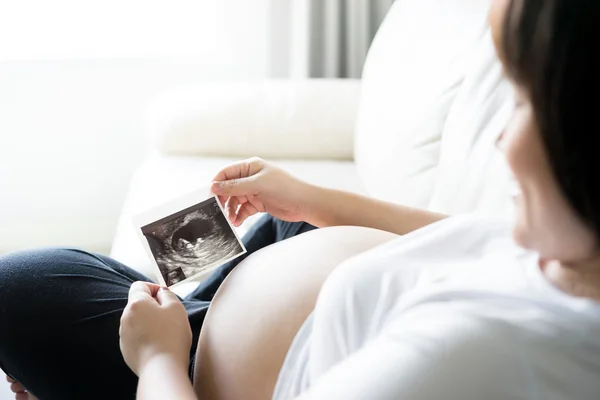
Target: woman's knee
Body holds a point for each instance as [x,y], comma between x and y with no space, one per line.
[62,305]
[24,275]
[28,267]
[34,282]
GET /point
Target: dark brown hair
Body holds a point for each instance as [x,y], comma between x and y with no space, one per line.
[552,49]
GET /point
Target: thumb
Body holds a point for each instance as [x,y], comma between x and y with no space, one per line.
[142,290]
[165,297]
[233,187]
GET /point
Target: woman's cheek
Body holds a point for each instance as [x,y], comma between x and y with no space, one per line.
[518,148]
[545,221]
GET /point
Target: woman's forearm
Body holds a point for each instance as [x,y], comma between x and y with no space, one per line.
[330,207]
[163,378]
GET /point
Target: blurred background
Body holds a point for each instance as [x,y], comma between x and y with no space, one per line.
[76,79]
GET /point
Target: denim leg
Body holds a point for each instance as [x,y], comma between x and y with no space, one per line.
[60,313]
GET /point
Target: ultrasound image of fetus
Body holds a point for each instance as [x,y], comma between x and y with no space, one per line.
[187,242]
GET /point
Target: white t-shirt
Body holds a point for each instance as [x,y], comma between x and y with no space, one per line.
[453,311]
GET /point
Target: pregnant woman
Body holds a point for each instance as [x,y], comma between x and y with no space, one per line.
[405,304]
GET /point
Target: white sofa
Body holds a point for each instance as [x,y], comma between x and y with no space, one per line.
[419,129]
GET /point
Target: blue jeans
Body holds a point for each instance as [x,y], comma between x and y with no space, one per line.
[60,311]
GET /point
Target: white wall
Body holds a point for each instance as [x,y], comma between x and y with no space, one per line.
[71,131]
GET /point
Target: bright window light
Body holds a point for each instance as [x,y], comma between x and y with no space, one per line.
[65,29]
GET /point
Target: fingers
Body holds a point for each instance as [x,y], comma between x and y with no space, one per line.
[142,290]
[23,396]
[222,200]
[16,387]
[237,179]
[234,187]
[240,169]
[232,171]
[231,208]
[166,298]
[245,211]
[153,287]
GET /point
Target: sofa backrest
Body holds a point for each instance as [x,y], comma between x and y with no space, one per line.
[433,104]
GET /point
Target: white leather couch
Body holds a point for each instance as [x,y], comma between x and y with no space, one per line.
[419,129]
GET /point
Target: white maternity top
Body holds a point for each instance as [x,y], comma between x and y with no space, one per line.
[453,311]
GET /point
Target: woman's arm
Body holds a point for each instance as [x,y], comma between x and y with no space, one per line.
[164,378]
[155,339]
[331,207]
[252,186]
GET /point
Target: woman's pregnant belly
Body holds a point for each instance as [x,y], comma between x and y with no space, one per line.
[260,307]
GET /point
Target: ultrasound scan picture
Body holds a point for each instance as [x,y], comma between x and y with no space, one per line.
[190,241]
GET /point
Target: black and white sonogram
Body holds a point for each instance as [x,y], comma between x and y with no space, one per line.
[188,242]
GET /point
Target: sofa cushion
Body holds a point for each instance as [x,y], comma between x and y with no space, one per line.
[304,119]
[472,174]
[433,100]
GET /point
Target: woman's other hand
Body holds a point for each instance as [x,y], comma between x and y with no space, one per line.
[19,390]
[254,186]
[154,324]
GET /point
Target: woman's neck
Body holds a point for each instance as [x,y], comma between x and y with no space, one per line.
[580,279]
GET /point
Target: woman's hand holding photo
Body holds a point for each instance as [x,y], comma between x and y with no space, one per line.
[154,325]
[155,339]
[255,186]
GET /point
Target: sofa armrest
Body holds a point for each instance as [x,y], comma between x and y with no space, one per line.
[307,119]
